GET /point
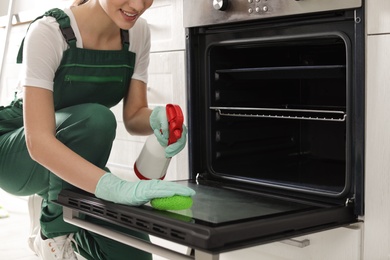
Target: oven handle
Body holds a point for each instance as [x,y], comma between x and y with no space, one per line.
[71,216]
[296,243]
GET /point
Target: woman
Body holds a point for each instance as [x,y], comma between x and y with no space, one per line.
[76,65]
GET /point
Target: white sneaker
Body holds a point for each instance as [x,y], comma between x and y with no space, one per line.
[31,239]
[34,210]
[58,248]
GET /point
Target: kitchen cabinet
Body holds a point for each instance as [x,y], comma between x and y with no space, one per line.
[340,243]
[377,192]
[379,18]
[377,168]
[165,19]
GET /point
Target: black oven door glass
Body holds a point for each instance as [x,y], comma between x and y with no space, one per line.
[219,205]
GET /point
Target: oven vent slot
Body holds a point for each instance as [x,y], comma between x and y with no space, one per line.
[282,113]
[101,211]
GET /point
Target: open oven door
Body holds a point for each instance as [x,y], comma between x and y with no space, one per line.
[222,217]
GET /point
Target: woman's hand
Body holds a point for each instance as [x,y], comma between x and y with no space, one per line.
[160,125]
[114,189]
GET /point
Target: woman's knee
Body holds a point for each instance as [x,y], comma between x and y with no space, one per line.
[100,118]
[89,121]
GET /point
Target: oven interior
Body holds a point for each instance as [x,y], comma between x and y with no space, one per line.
[279,113]
[275,108]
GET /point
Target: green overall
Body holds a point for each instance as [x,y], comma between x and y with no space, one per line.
[86,84]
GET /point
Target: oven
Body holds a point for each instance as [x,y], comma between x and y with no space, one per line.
[275,97]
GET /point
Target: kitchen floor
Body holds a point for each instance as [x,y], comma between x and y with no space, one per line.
[14,229]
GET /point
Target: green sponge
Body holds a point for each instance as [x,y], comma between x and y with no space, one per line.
[175,202]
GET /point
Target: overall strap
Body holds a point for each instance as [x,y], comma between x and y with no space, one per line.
[125,39]
[64,23]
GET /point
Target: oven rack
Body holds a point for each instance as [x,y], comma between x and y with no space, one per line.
[287,72]
[282,113]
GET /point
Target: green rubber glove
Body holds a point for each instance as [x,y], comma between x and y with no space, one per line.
[114,189]
[173,149]
[159,123]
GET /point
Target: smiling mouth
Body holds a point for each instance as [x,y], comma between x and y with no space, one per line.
[129,14]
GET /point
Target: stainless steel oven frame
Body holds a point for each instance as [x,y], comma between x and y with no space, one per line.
[201,41]
[214,12]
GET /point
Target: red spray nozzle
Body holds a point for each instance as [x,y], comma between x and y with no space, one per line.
[175,121]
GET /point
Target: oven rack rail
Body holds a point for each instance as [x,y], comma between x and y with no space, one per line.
[282,113]
[286,72]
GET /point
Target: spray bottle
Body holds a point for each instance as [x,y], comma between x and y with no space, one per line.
[151,162]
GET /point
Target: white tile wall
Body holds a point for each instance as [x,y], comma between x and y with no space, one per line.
[10,73]
[27,10]
[165,19]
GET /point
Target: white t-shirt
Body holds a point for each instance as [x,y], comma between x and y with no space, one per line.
[44,46]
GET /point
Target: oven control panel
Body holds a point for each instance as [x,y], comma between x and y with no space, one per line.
[208,12]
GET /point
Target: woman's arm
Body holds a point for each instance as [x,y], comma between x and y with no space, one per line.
[48,151]
[44,148]
[135,109]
